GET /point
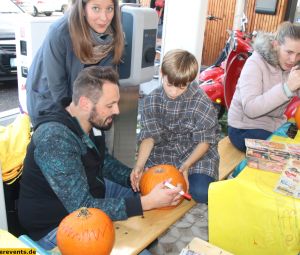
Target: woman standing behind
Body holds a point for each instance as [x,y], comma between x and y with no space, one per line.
[89,34]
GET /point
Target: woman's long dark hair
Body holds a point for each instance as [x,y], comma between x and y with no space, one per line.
[80,32]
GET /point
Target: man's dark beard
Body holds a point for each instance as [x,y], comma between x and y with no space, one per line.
[97,125]
[101,127]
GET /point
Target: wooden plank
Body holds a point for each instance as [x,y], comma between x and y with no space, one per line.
[203,247]
[215,31]
[250,15]
[230,157]
[208,39]
[136,233]
[265,22]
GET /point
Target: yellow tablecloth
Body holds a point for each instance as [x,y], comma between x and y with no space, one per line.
[7,240]
[246,216]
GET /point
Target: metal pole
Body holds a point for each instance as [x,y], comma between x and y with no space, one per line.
[192,15]
[239,11]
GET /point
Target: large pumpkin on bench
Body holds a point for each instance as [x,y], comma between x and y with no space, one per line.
[158,174]
[86,231]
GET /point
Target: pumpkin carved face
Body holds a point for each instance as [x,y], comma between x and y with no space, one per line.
[86,231]
[158,174]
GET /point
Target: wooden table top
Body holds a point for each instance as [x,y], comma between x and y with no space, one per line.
[136,233]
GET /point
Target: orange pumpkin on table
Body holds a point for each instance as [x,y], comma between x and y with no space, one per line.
[86,231]
[158,174]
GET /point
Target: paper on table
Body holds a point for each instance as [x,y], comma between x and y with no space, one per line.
[289,182]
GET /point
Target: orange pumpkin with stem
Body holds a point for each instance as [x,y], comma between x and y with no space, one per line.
[86,231]
[158,174]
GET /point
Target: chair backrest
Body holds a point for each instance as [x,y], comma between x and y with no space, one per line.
[14,139]
[3,218]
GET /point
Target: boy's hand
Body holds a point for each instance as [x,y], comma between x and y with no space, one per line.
[135,178]
[184,169]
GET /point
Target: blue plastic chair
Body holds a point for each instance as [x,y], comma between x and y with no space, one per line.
[28,241]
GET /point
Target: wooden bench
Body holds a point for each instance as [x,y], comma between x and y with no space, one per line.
[230,157]
[136,233]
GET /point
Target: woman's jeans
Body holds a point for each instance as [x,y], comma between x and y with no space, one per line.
[237,136]
[113,190]
[199,187]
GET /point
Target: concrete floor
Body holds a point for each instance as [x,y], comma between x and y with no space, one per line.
[193,224]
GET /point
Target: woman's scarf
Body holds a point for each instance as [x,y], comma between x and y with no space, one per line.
[103,45]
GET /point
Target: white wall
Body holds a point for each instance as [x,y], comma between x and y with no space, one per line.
[239,10]
[184,26]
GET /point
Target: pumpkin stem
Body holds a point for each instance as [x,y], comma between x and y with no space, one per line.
[83,212]
[159,170]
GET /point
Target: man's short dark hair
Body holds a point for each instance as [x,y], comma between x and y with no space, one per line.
[90,80]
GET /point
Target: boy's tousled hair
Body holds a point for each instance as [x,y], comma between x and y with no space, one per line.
[90,80]
[180,67]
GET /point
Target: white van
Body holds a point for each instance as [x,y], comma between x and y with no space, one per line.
[25,5]
[9,13]
[47,7]
[61,5]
